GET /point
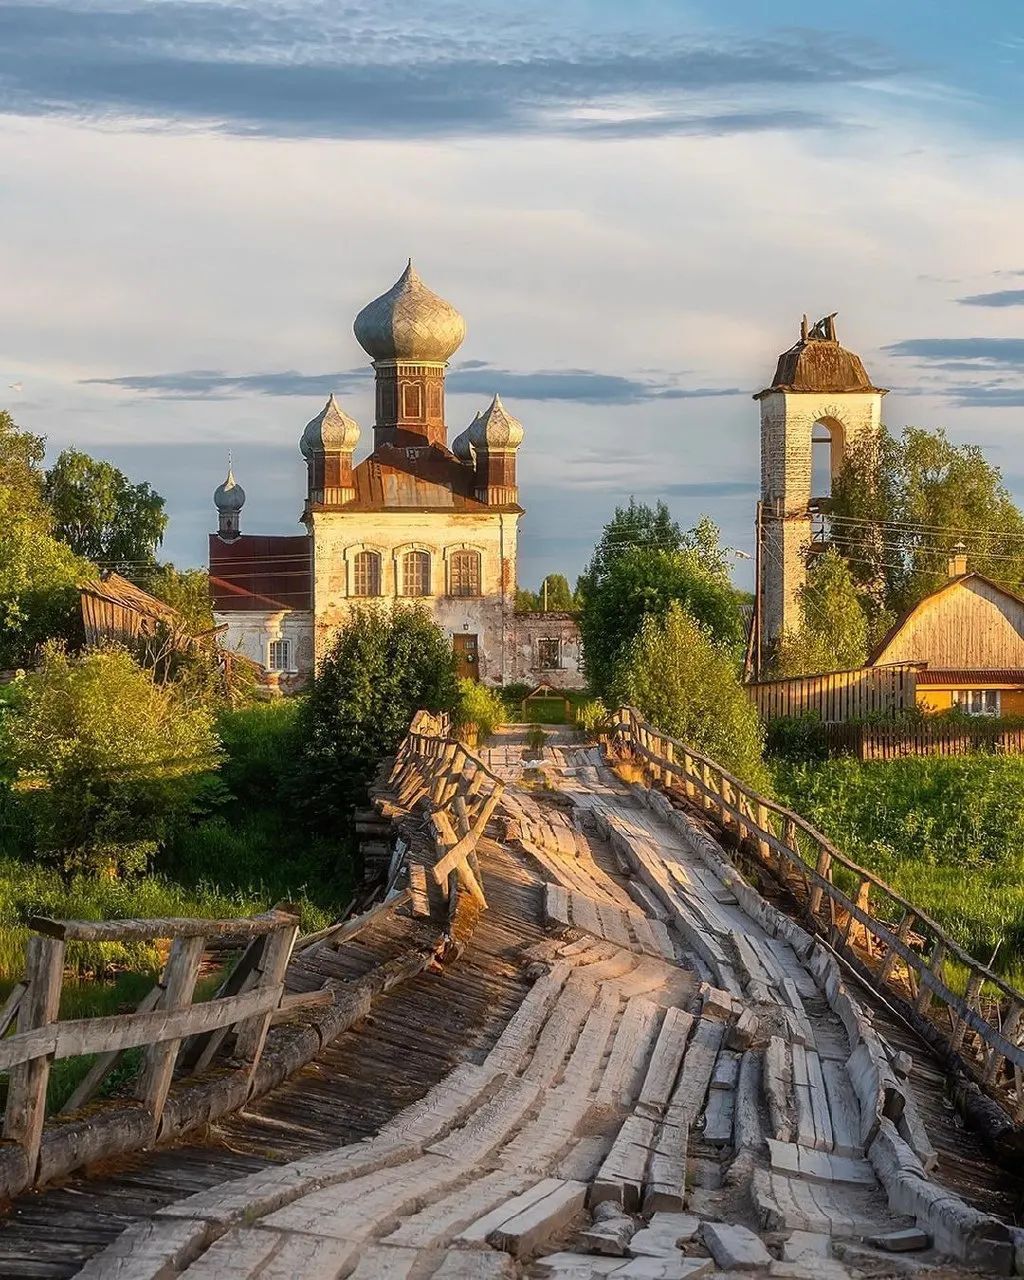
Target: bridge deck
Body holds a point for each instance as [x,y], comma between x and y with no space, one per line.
[562,1068]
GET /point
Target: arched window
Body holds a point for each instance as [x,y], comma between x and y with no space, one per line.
[366,573]
[826,456]
[464,573]
[416,573]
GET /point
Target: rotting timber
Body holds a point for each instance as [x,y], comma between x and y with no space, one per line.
[626,1030]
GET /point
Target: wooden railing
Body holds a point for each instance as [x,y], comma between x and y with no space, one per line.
[895,944]
[837,696]
[458,794]
[166,1021]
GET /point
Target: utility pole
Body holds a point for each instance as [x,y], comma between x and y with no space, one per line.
[544,588]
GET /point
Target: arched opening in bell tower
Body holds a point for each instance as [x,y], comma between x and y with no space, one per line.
[828,440]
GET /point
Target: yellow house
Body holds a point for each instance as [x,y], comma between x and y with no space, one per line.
[968,637]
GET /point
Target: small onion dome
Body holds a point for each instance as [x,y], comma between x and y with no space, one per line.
[331,431]
[229,496]
[462,445]
[495,428]
[409,322]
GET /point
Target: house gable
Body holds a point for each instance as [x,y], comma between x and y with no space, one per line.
[970,623]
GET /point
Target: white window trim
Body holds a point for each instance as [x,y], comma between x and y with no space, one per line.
[962,699]
[289,665]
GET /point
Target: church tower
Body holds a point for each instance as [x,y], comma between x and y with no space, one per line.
[820,404]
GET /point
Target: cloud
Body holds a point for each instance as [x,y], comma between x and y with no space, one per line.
[474,377]
[962,354]
[1001,298]
[997,396]
[315,70]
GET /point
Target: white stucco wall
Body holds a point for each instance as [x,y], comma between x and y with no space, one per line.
[250,633]
[338,536]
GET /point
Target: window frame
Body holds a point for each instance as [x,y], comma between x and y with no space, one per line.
[966,700]
[372,555]
[422,558]
[285,644]
[477,574]
[542,642]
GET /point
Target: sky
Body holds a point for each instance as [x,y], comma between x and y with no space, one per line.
[631,204]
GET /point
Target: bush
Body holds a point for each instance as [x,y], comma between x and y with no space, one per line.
[591,715]
[480,707]
[535,739]
[260,743]
[103,758]
[797,738]
[687,686]
[383,666]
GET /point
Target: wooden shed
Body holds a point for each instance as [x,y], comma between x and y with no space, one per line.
[114,609]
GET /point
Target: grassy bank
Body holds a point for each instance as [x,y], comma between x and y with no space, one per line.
[947,833]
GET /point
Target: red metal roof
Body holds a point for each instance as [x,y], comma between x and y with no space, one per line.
[254,573]
[975,678]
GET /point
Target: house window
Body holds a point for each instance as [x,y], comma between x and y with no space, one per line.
[366,574]
[464,573]
[416,573]
[280,655]
[977,702]
[549,653]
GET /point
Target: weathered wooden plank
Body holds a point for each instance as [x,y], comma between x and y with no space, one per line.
[665,1186]
[666,1059]
[585,915]
[178,983]
[523,1234]
[105,1062]
[556,904]
[623,1173]
[129,1030]
[172,927]
[823,1136]
[695,1075]
[478,1231]
[843,1110]
[630,1050]
[26,1091]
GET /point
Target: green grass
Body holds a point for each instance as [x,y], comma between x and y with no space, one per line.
[946,833]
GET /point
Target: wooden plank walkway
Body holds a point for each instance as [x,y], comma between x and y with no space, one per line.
[550,1091]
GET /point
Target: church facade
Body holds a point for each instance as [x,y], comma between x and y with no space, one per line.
[417,520]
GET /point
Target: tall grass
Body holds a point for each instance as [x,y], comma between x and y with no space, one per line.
[946,833]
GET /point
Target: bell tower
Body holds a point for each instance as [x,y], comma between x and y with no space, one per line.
[820,404]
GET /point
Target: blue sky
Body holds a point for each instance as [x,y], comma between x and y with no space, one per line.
[632,206]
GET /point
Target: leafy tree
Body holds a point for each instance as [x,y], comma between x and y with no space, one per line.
[104,758]
[383,666]
[629,584]
[635,525]
[900,506]
[559,597]
[187,590]
[526,601]
[686,684]
[833,634]
[39,575]
[99,513]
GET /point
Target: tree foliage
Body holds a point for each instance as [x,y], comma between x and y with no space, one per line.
[103,758]
[39,575]
[383,666]
[100,514]
[559,597]
[686,684]
[187,590]
[833,633]
[625,584]
[901,506]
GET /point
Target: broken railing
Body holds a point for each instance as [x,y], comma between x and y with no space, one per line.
[890,940]
[435,772]
[176,1032]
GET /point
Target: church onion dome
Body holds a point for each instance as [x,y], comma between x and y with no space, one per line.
[229,496]
[462,445]
[331,431]
[818,363]
[495,428]
[410,322]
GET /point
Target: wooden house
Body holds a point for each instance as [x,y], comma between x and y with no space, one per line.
[967,640]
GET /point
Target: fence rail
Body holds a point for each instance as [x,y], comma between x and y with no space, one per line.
[900,946]
[838,696]
[167,1023]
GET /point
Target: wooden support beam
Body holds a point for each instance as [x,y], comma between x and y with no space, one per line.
[252,1033]
[177,986]
[40,1005]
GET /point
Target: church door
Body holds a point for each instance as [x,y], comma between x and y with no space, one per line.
[467,665]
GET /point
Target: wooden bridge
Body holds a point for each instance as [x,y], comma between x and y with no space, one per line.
[616,1014]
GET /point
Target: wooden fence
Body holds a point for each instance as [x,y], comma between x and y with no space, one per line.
[168,1024]
[889,939]
[892,742]
[838,696]
[458,793]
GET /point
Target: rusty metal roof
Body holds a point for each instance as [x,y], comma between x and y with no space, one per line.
[975,677]
[820,364]
[416,476]
[255,573]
